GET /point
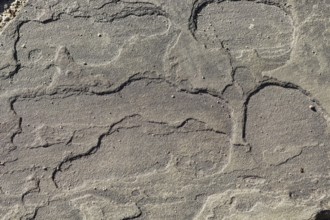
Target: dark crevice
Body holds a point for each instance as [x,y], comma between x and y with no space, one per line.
[323,215]
[71,138]
[16,70]
[227,87]
[34,215]
[18,38]
[143,9]
[198,6]
[14,53]
[107,3]
[134,78]
[52,19]
[34,189]
[230,58]
[181,125]
[4,4]
[187,132]
[15,56]
[184,123]
[176,129]
[250,177]
[290,158]
[18,130]
[203,91]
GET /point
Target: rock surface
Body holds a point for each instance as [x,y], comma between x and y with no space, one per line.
[163,109]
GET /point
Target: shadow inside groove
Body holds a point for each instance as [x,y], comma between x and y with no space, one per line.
[323,215]
[4,4]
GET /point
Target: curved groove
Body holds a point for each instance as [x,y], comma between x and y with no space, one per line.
[91,151]
[275,82]
[199,5]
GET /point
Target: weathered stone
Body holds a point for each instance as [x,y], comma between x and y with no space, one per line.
[164,109]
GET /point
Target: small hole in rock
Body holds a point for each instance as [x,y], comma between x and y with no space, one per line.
[323,215]
[313,108]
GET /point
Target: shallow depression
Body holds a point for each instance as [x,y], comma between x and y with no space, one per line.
[239,26]
[279,122]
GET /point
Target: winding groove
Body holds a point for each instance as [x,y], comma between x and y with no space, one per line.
[91,151]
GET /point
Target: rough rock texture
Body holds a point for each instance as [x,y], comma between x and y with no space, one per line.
[165,109]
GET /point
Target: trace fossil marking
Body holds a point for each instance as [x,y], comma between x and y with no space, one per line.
[144,117]
[140,147]
[149,104]
[283,121]
[105,38]
[233,25]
